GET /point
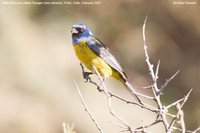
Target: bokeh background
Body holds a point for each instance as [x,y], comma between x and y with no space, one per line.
[38,65]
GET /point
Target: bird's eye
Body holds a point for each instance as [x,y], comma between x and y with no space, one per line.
[82,30]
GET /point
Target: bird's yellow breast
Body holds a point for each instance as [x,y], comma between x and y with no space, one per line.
[90,59]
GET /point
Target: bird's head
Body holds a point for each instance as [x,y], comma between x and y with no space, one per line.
[79,32]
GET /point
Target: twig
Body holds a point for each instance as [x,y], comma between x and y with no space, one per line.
[180,118]
[147,87]
[179,110]
[147,126]
[87,110]
[157,69]
[145,106]
[174,103]
[144,96]
[197,130]
[167,82]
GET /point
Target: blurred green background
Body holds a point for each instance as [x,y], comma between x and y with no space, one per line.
[38,65]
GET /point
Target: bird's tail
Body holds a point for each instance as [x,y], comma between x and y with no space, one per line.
[131,90]
[122,77]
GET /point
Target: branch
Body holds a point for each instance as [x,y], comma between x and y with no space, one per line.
[147,126]
[179,112]
[167,82]
[154,78]
[86,108]
[174,103]
[157,69]
[180,118]
[197,130]
[150,66]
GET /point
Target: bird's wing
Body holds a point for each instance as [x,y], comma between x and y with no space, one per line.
[103,52]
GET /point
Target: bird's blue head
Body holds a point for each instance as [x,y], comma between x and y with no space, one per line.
[79,33]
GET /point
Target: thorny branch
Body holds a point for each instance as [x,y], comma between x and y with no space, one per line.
[160,111]
[154,78]
[167,82]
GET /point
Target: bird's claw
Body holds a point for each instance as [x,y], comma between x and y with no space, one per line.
[99,88]
[86,76]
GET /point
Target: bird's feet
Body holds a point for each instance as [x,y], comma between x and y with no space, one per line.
[86,76]
[99,88]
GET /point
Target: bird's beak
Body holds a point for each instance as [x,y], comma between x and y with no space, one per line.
[74,31]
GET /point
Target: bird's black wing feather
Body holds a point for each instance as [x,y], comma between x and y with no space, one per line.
[103,52]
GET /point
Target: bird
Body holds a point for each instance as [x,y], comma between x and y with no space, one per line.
[91,51]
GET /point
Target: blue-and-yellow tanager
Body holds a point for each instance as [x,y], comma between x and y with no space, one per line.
[92,52]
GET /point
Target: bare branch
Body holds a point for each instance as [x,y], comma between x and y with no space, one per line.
[145,50]
[157,69]
[186,98]
[180,118]
[147,87]
[174,103]
[179,110]
[197,130]
[154,78]
[144,96]
[86,109]
[167,82]
[145,106]
[147,126]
